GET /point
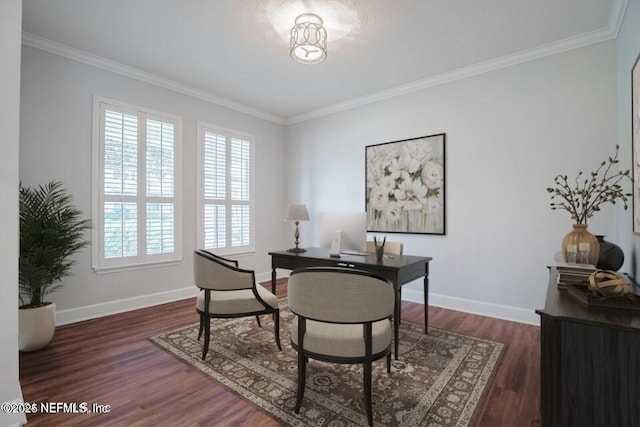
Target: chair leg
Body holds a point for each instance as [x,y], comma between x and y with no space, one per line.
[207,336]
[301,379]
[367,391]
[277,328]
[201,326]
[258,319]
[389,363]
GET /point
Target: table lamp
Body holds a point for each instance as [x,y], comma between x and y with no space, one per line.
[297,213]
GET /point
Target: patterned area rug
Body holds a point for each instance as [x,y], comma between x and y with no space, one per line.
[441,378]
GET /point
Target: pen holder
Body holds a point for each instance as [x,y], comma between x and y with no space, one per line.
[379,248]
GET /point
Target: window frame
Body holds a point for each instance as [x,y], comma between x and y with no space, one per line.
[101,264]
[204,127]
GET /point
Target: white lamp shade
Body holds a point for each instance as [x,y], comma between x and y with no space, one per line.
[297,212]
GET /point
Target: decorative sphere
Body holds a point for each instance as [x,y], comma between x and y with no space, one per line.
[606,283]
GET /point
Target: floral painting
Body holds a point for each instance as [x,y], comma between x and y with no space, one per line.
[635,141]
[405,186]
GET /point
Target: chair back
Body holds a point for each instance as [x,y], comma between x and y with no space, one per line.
[340,295]
[213,272]
[231,262]
[395,248]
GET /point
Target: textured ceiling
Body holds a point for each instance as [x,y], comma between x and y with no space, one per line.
[238,50]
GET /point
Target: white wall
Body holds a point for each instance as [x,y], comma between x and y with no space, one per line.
[628,50]
[55,143]
[509,132]
[10,39]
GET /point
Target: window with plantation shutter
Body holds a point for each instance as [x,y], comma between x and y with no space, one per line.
[225,181]
[136,206]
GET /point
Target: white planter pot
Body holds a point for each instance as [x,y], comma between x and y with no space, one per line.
[36,326]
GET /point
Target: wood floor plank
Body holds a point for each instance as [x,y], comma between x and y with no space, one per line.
[110,361]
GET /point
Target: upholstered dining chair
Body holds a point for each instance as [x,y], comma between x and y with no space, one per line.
[229,291]
[343,315]
[394,248]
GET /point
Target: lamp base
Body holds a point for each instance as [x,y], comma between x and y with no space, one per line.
[296,250]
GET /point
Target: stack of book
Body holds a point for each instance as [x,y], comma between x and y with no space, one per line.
[574,274]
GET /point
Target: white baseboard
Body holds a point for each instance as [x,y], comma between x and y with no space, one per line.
[266,277]
[515,314]
[504,312]
[79,314]
[13,420]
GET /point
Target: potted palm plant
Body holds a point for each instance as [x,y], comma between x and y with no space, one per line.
[51,230]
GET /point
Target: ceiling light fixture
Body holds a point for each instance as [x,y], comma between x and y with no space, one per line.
[308,39]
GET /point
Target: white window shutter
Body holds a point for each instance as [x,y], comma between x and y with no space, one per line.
[226,171]
[120,153]
[137,201]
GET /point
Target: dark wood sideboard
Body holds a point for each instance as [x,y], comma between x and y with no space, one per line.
[590,363]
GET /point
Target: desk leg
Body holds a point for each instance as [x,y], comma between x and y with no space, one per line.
[396,320]
[426,299]
[400,305]
[273,281]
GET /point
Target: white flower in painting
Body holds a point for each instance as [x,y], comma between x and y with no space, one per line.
[404,176]
[379,158]
[424,150]
[419,150]
[433,205]
[373,177]
[403,164]
[375,172]
[378,198]
[411,195]
[387,152]
[387,184]
[432,175]
[392,212]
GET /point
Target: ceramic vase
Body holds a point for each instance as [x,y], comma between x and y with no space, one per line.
[580,246]
[611,255]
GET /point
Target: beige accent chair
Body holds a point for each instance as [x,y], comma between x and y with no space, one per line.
[229,291]
[394,248]
[343,315]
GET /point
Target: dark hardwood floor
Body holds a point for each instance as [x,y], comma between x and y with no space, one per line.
[109,361]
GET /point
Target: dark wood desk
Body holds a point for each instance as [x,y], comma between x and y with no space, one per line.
[399,269]
[589,362]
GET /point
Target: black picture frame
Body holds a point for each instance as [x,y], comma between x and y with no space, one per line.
[405,186]
[635,142]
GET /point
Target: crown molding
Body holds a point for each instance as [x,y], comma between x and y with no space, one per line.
[78,55]
[618,9]
[560,46]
